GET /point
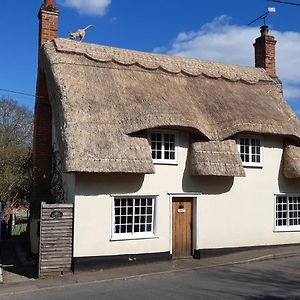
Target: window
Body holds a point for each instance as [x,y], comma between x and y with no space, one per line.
[287,212]
[133,217]
[163,147]
[250,149]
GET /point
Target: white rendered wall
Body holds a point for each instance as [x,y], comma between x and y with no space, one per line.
[244,216]
[231,212]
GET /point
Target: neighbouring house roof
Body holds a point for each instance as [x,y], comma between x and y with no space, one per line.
[291,162]
[215,158]
[103,97]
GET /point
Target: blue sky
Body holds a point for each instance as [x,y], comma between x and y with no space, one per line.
[210,30]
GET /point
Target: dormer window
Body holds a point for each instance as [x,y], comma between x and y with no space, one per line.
[251,150]
[163,146]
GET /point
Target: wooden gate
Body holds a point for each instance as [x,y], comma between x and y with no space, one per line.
[182,211]
[56,239]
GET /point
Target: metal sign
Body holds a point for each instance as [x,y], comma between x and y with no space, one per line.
[56,214]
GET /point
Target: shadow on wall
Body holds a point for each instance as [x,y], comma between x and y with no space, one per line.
[96,184]
[287,185]
[120,183]
[210,185]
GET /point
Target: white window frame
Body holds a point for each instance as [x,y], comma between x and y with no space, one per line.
[287,227]
[251,163]
[163,160]
[134,235]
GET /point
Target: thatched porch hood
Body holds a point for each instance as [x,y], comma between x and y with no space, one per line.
[103,98]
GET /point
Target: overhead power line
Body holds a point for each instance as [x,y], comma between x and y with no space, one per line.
[18,93]
[285,2]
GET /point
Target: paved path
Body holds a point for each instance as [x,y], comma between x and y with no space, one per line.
[260,280]
[16,287]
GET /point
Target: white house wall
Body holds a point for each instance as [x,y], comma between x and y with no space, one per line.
[231,212]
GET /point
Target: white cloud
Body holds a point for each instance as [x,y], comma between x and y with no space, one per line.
[88,7]
[224,42]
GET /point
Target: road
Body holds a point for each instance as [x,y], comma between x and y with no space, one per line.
[265,280]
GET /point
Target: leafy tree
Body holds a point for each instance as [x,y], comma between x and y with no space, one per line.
[16,123]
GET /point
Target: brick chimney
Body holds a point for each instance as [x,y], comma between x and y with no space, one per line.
[265,51]
[42,135]
[48,17]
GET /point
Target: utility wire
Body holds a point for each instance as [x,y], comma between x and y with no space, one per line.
[285,2]
[18,93]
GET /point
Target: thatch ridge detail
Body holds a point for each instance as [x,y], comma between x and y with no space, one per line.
[170,64]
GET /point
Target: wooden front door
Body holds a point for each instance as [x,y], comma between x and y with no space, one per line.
[182,226]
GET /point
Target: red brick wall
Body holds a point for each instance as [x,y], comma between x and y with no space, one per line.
[48,17]
[42,135]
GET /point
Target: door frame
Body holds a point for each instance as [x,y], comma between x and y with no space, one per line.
[194,198]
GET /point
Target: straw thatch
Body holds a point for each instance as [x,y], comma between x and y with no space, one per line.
[215,158]
[102,95]
[291,162]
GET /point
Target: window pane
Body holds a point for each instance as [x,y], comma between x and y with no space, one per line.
[162,146]
[250,151]
[133,215]
[287,211]
[156,145]
[123,228]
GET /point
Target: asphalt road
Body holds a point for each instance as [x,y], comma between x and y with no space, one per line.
[271,279]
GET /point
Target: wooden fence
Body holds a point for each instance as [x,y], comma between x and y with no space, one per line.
[56,238]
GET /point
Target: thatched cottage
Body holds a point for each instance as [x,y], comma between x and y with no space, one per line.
[163,156]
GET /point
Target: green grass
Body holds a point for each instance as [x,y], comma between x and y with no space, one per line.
[18,229]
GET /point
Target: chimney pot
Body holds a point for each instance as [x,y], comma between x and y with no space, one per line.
[49,2]
[264,30]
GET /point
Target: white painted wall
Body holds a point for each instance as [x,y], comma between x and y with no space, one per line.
[244,216]
[232,212]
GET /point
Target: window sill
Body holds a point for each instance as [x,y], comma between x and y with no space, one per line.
[287,229]
[128,238]
[165,162]
[252,166]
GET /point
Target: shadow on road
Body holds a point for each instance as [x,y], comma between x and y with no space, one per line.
[16,261]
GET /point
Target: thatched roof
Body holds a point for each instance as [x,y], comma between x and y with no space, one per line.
[291,162]
[103,95]
[215,158]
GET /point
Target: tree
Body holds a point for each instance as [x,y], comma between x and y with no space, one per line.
[16,123]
